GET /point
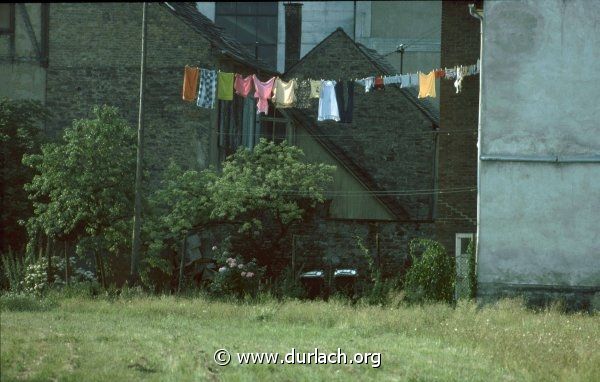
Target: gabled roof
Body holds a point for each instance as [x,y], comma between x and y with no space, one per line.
[216,35]
[384,68]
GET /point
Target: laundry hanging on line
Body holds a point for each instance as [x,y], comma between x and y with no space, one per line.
[334,103]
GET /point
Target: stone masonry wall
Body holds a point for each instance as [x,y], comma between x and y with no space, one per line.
[95,59]
[457,211]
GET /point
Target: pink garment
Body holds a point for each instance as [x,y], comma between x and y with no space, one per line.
[242,86]
[262,91]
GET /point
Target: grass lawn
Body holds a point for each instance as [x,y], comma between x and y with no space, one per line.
[174,339]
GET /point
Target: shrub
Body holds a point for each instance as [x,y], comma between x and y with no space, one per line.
[431,276]
[36,276]
[15,302]
[236,278]
[287,285]
[374,290]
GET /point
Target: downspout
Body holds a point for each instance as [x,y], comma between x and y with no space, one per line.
[354,30]
[473,12]
[436,153]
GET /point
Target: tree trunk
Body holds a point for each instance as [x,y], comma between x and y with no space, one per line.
[49,257]
[66,264]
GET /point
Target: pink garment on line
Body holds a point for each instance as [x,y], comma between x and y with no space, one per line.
[263,92]
[243,86]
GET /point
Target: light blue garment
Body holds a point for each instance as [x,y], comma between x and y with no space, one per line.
[405,80]
[368,83]
[388,80]
[414,79]
[328,106]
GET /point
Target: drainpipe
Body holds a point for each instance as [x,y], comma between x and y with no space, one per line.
[354,30]
[473,12]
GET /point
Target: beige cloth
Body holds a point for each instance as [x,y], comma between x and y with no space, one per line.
[315,88]
[284,93]
[427,85]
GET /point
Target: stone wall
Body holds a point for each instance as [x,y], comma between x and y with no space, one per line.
[457,211]
[95,59]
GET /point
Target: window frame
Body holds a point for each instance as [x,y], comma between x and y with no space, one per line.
[11,20]
[253,47]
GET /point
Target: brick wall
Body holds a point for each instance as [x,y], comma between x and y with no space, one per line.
[457,212]
[389,136]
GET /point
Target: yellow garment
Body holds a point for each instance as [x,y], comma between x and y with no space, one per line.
[225,86]
[284,93]
[315,88]
[427,85]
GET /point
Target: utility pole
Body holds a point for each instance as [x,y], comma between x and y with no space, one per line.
[137,209]
[400,49]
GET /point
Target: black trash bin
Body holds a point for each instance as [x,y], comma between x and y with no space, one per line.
[344,281]
[313,283]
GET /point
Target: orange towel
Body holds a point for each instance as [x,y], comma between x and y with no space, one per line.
[190,84]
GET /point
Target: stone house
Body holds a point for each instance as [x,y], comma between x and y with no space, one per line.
[72,56]
[386,159]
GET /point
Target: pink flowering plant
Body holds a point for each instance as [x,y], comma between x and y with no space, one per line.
[236,277]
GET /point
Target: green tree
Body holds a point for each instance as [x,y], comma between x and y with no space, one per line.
[267,190]
[83,187]
[19,135]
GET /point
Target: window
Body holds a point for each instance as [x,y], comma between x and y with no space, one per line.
[7,18]
[275,126]
[239,125]
[253,24]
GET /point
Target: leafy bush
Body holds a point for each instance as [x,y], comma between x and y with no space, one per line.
[431,276]
[374,289]
[287,285]
[236,278]
[16,302]
[181,203]
[36,277]
[262,192]
[267,190]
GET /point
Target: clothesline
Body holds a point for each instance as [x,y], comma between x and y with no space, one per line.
[336,98]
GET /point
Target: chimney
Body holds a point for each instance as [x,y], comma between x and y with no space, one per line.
[293,33]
